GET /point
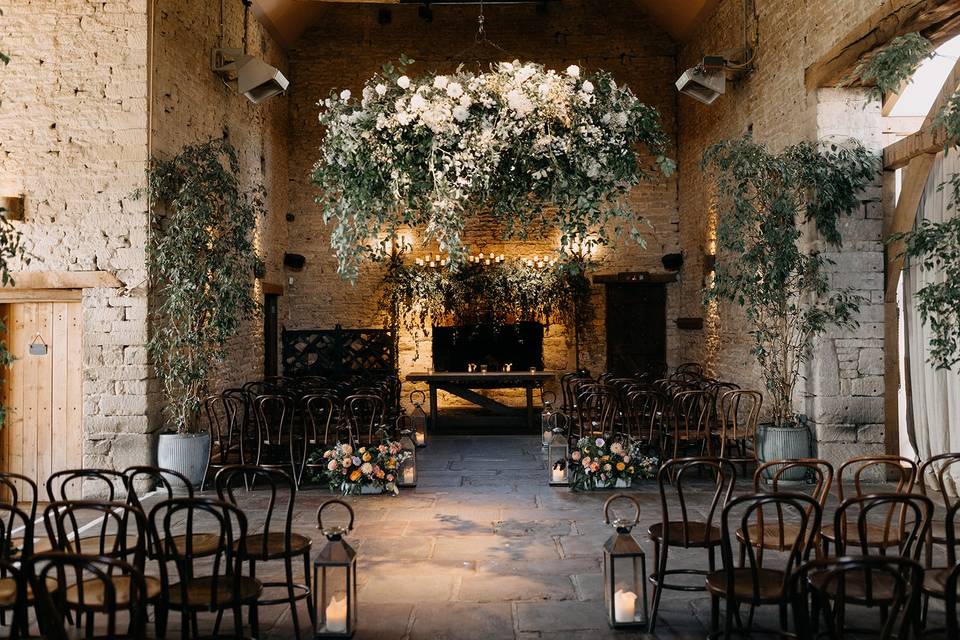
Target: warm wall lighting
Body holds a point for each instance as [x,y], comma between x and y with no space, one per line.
[13,207]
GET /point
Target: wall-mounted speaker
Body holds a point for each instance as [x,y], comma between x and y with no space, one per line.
[294,261]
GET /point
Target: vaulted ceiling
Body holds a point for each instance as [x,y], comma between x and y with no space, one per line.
[288,19]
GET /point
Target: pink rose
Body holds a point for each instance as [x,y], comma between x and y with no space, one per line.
[626,459]
[332,465]
[586,460]
[575,455]
[346,463]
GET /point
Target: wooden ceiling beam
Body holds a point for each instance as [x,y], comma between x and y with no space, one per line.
[937,20]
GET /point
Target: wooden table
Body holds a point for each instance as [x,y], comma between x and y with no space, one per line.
[462,385]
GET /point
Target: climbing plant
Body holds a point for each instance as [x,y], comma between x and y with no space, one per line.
[201,260]
[532,147]
[765,198]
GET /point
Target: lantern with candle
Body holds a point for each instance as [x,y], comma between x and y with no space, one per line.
[624,571]
[418,418]
[407,473]
[548,419]
[335,579]
[557,453]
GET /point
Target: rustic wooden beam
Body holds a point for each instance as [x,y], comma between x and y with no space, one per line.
[9,296]
[937,20]
[911,190]
[64,280]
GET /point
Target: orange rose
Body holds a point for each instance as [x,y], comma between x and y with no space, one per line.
[355,475]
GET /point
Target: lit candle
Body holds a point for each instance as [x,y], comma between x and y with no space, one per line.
[408,475]
[419,262]
[500,259]
[438,257]
[487,262]
[432,264]
[337,615]
[624,606]
[546,436]
[558,477]
[421,438]
[481,255]
[540,264]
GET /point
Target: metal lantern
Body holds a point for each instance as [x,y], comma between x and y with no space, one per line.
[624,571]
[548,419]
[558,451]
[407,473]
[335,580]
[418,418]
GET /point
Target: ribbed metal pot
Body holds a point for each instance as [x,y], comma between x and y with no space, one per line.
[187,453]
[785,443]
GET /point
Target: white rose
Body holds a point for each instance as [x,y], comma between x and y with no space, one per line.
[403,82]
[366,468]
[466,101]
[573,71]
[440,82]
[381,89]
[417,102]
[454,90]
[461,113]
[345,95]
[543,90]
[588,86]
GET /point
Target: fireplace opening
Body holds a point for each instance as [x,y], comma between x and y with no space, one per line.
[519,345]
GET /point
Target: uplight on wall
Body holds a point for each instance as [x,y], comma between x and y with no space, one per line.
[256,80]
[12,207]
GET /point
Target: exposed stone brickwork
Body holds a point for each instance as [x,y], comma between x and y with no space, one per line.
[73,139]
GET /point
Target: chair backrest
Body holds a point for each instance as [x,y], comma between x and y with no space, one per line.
[88,573]
[953,578]
[738,412]
[16,534]
[275,414]
[769,477]
[676,474]
[936,471]
[282,493]
[902,520]
[690,367]
[691,414]
[748,515]
[13,572]
[18,489]
[596,406]
[225,415]
[319,410]
[71,484]
[901,580]
[177,522]
[367,414]
[642,410]
[104,529]
[903,470]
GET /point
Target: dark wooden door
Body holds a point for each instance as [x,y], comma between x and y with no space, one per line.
[271,334]
[636,326]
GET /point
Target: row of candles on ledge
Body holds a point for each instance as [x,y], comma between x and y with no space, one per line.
[436,260]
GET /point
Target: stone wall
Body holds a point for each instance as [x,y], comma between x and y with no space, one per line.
[773,103]
[73,139]
[191,104]
[349,44]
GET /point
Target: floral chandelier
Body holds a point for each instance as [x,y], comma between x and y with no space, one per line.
[537,149]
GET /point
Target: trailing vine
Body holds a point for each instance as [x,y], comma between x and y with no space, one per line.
[536,148]
[201,262]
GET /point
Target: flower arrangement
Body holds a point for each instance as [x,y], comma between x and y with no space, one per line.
[600,463]
[535,147]
[374,466]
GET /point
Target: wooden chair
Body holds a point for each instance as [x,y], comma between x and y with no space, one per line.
[225,414]
[16,547]
[937,470]
[936,580]
[777,533]
[749,582]
[950,586]
[595,410]
[690,367]
[279,544]
[685,533]
[366,415]
[64,582]
[642,413]
[688,433]
[899,596]
[193,586]
[277,434]
[904,472]
[120,532]
[20,491]
[738,412]
[72,484]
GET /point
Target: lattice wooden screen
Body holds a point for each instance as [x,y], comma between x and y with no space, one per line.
[337,352]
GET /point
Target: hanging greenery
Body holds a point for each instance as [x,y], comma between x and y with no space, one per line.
[499,293]
[766,197]
[534,147]
[201,260]
[930,245]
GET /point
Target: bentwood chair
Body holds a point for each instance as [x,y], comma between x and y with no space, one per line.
[20,491]
[16,547]
[120,532]
[880,535]
[690,367]
[935,474]
[367,415]
[688,433]
[279,434]
[643,410]
[738,413]
[225,414]
[14,590]
[951,584]
[809,476]
[898,596]
[749,582]
[73,484]
[193,586]
[936,580]
[684,532]
[61,580]
[278,544]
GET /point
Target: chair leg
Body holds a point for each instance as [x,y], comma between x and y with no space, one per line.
[731,607]
[660,562]
[288,565]
[714,615]
[184,624]
[311,610]
[160,614]
[238,620]
[254,614]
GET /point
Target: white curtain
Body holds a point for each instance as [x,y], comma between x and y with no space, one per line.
[935,394]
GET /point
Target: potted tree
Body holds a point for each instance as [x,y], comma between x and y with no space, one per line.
[766,198]
[201,262]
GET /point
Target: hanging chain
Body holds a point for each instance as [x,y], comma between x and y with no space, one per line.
[481,34]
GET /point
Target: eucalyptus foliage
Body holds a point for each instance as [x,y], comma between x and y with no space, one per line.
[890,67]
[201,260]
[536,148]
[501,293]
[765,198]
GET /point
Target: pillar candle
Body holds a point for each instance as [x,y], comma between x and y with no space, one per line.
[337,615]
[624,606]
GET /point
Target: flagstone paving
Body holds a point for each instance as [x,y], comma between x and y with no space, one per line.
[483,548]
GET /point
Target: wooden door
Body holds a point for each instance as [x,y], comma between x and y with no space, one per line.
[636,326]
[43,391]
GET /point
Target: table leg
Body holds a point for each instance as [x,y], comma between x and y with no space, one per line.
[434,418]
[530,408]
